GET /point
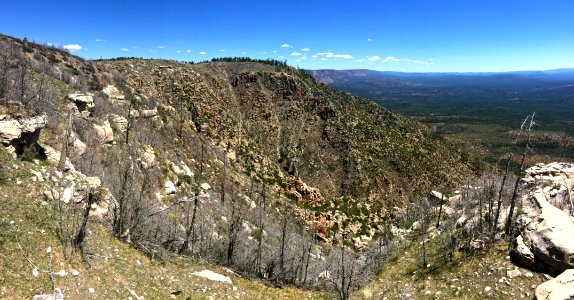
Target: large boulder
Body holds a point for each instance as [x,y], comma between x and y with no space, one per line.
[546,243]
[118,122]
[549,235]
[104,133]
[561,287]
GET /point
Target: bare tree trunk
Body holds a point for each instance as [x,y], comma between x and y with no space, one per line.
[440,210]
[281,276]
[516,183]
[65,147]
[79,239]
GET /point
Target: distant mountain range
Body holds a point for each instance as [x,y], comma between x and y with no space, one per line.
[329,76]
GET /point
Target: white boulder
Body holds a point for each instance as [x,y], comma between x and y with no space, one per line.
[561,287]
[113,93]
[169,187]
[210,275]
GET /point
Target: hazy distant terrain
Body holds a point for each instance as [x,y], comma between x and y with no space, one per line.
[479,107]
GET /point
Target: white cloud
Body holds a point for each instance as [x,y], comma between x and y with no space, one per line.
[152,50]
[296,54]
[391,59]
[73,47]
[408,61]
[202,53]
[50,44]
[100,40]
[345,56]
[369,40]
[333,55]
[374,58]
[324,58]
[285,46]
[124,49]
[243,52]
[177,51]
[305,49]
[161,47]
[314,56]
[188,51]
[222,50]
[274,51]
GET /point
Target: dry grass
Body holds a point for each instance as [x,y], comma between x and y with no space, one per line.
[466,277]
[113,269]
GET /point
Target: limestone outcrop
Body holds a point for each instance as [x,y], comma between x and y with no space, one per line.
[545,242]
[15,134]
[304,194]
[84,102]
[113,93]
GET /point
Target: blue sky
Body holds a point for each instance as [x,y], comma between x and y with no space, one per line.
[397,35]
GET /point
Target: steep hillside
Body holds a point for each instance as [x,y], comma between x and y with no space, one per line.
[255,166]
[344,145]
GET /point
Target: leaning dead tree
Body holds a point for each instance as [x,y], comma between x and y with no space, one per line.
[516,183]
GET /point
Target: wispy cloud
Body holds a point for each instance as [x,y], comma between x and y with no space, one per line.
[152,50]
[202,53]
[302,58]
[296,54]
[243,52]
[333,55]
[124,49]
[369,40]
[408,61]
[305,49]
[100,40]
[178,51]
[188,51]
[374,58]
[285,46]
[161,47]
[391,59]
[73,47]
[222,50]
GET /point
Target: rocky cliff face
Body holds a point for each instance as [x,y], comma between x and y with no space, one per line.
[545,225]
